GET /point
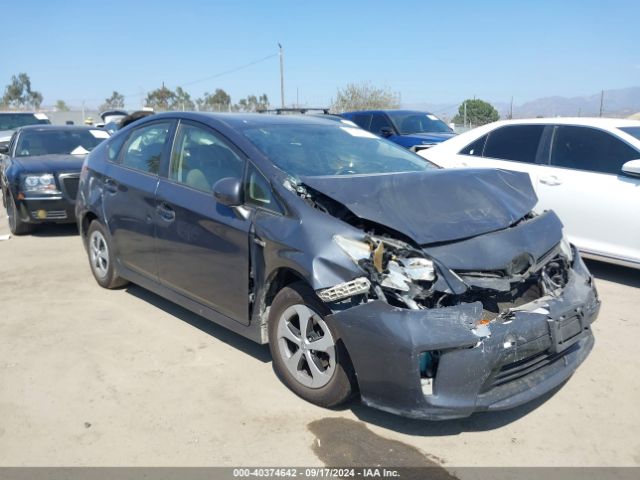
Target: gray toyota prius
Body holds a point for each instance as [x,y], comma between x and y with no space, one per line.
[429,293]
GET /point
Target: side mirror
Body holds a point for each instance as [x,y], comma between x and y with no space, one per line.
[632,168]
[4,149]
[228,191]
[386,132]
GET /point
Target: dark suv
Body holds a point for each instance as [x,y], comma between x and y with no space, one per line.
[434,293]
[412,129]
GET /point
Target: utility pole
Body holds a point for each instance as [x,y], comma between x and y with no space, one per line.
[465,114]
[83,112]
[511,110]
[281,76]
[601,101]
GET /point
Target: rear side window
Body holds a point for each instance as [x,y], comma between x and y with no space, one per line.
[475,149]
[363,120]
[201,157]
[144,147]
[378,122]
[590,149]
[514,142]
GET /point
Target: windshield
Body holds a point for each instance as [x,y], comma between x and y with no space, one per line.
[319,150]
[633,131]
[417,122]
[11,121]
[58,142]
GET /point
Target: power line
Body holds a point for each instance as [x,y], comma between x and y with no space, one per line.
[211,77]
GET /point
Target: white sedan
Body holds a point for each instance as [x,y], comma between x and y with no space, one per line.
[585,169]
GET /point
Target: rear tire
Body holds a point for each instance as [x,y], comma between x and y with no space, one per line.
[101,258]
[16,225]
[322,375]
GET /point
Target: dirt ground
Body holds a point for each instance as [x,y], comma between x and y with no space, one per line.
[108,378]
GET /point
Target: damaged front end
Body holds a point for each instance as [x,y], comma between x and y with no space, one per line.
[432,342]
[459,306]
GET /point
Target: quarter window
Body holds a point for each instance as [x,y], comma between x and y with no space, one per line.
[200,158]
[258,191]
[590,149]
[514,142]
[113,147]
[144,147]
[475,149]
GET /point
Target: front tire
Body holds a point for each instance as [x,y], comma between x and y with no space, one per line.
[101,258]
[307,356]
[16,225]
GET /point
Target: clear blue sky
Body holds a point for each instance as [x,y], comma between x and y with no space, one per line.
[439,52]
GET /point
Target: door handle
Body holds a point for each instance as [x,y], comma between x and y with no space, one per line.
[110,186]
[551,180]
[166,212]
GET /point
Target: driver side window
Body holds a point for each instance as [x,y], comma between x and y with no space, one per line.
[200,158]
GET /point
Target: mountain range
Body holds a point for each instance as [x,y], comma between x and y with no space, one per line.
[616,103]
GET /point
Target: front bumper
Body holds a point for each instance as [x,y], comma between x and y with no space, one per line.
[509,364]
[46,210]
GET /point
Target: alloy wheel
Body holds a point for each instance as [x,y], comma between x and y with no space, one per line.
[306,346]
[99,253]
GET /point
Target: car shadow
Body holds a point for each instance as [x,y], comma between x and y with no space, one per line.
[614,273]
[478,422]
[55,230]
[257,351]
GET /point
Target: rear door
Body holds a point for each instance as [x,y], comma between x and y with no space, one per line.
[203,246]
[129,196]
[511,147]
[584,184]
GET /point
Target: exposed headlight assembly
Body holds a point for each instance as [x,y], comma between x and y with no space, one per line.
[565,247]
[39,183]
[355,249]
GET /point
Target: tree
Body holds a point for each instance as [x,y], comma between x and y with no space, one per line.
[182,101]
[116,100]
[218,101]
[364,96]
[61,106]
[479,113]
[18,93]
[161,99]
[252,103]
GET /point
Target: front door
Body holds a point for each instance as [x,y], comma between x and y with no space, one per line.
[203,246]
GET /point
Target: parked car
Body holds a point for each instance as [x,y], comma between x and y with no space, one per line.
[586,169]
[414,130]
[434,293]
[40,171]
[9,121]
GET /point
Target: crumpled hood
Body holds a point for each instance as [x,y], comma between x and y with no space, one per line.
[51,163]
[437,205]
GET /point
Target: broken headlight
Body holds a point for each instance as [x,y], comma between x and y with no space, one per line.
[396,271]
[356,249]
[565,247]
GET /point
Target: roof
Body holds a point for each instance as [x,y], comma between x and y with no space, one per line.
[240,120]
[40,127]
[603,122]
[392,110]
[19,113]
